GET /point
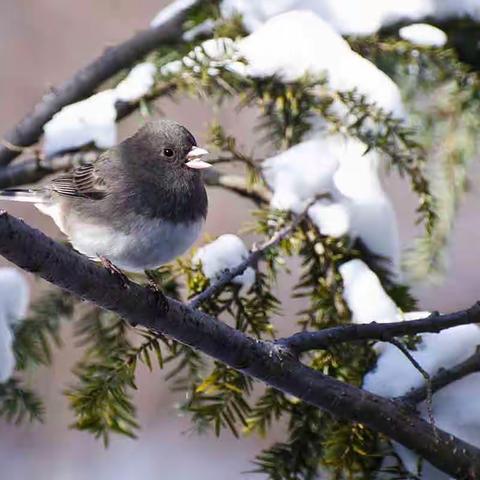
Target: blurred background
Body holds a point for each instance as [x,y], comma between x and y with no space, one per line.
[42,42]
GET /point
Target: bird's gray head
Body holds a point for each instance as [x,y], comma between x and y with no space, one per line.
[169,142]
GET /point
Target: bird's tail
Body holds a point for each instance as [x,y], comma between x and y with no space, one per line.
[23,195]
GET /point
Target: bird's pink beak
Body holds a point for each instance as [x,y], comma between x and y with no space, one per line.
[194,157]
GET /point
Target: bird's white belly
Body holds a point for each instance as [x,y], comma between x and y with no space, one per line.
[149,244]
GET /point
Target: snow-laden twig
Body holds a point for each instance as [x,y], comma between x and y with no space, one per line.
[443,378]
[423,372]
[255,255]
[305,341]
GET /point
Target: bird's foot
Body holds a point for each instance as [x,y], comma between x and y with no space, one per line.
[153,286]
[114,270]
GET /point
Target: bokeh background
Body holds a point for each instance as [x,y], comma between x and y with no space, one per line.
[42,42]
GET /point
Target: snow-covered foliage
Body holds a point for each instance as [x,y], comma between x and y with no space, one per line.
[214,53]
[313,47]
[424,35]
[337,165]
[352,16]
[93,119]
[14,299]
[225,253]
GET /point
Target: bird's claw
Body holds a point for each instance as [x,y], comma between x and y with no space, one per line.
[160,296]
[114,270]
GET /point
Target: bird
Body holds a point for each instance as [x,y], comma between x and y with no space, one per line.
[137,206]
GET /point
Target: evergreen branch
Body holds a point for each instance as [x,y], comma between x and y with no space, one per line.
[87,79]
[270,363]
[443,378]
[18,403]
[256,253]
[35,335]
[385,332]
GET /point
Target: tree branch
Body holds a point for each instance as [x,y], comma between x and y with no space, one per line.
[86,80]
[423,372]
[305,341]
[56,263]
[443,378]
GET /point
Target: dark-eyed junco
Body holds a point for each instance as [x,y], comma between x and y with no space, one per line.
[139,205]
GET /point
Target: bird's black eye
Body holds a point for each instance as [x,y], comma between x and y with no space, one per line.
[168,152]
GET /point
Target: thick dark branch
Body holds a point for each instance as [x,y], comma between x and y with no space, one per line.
[89,78]
[323,339]
[443,378]
[56,263]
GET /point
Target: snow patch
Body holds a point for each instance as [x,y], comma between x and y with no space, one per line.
[225,253]
[14,299]
[90,120]
[352,17]
[365,295]
[170,11]
[336,165]
[424,35]
[269,51]
[332,219]
[93,119]
[137,84]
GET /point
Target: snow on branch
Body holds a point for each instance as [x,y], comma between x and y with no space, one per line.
[305,341]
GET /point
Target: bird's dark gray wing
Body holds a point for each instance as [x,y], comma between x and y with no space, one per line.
[84,181]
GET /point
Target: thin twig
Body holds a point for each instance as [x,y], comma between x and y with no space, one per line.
[425,375]
[255,254]
[443,378]
[320,340]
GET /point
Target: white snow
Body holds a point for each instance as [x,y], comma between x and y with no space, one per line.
[170,11]
[352,17]
[203,28]
[337,165]
[90,120]
[424,35]
[301,172]
[269,51]
[93,119]
[14,298]
[365,295]
[313,47]
[332,219]
[137,84]
[225,253]
[455,407]
[7,357]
